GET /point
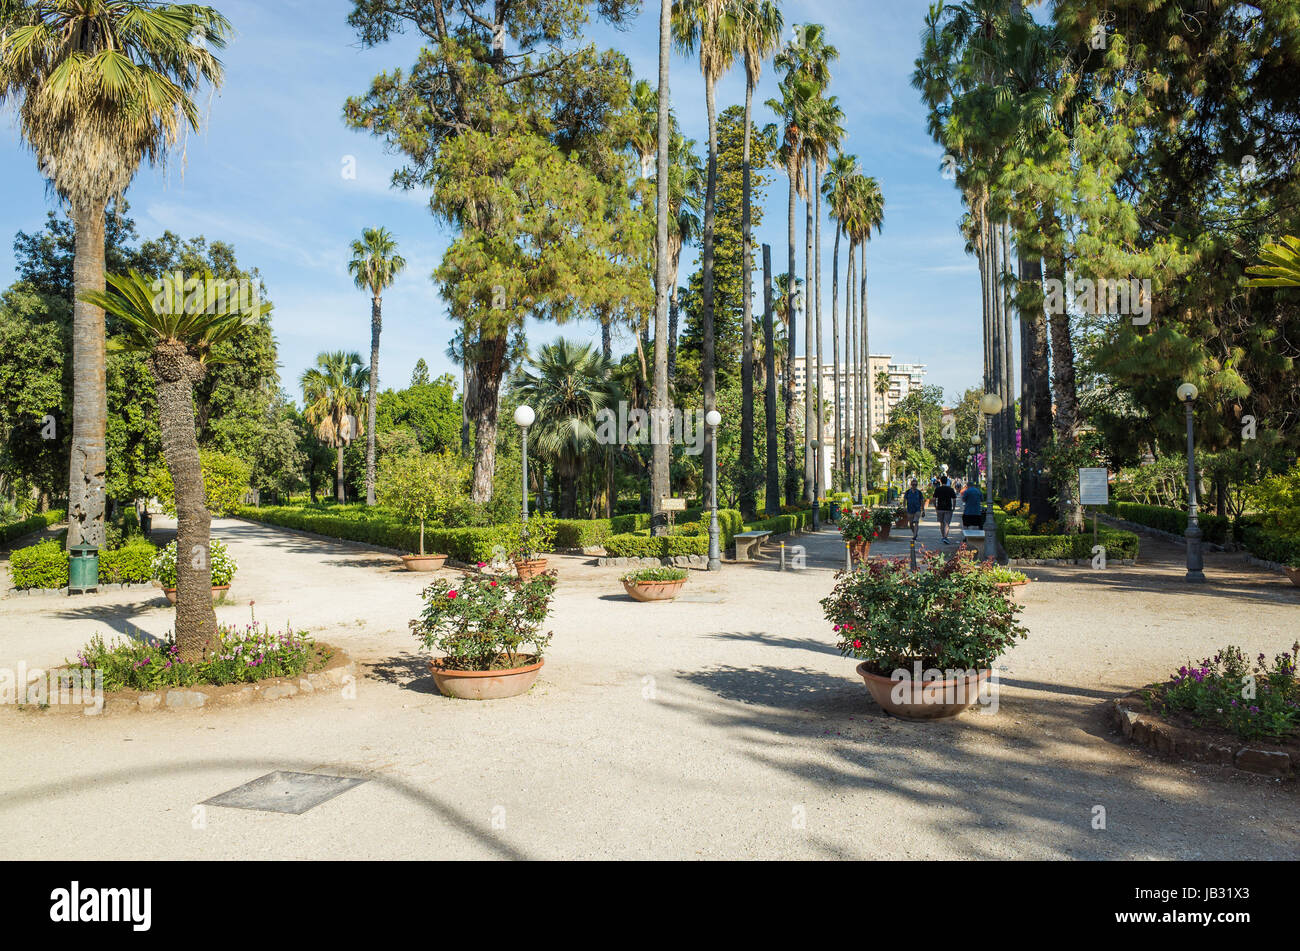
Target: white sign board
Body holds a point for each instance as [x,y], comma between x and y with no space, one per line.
[672,505]
[1094,487]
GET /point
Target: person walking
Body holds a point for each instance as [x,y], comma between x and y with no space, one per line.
[915,501]
[972,515]
[945,498]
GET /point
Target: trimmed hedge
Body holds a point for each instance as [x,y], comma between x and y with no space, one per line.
[43,565]
[663,546]
[1117,544]
[1271,546]
[1214,528]
[36,523]
[130,564]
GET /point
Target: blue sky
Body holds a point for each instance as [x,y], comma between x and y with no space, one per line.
[265,174]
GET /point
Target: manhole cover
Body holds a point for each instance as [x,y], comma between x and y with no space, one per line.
[284,791]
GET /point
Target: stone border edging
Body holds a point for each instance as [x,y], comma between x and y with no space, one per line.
[1067,562]
[50,592]
[1149,731]
[338,671]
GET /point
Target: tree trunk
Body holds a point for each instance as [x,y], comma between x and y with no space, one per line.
[809,381]
[340,494]
[852,354]
[672,333]
[869,423]
[1037,407]
[749,487]
[835,350]
[86,470]
[1012,466]
[376,324]
[1066,400]
[772,498]
[819,453]
[488,369]
[659,459]
[175,372]
[791,460]
[708,371]
[606,340]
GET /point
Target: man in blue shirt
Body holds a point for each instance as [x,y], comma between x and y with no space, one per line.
[915,506]
[973,512]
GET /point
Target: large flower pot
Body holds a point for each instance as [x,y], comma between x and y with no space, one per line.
[859,550]
[218,592]
[902,522]
[653,590]
[927,700]
[423,562]
[883,532]
[1015,590]
[530,568]
[485,684]
[1294,575]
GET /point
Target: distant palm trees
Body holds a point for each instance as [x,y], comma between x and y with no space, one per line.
[568,385]
[374,266]
[659,471]
[103,87]
[331,394]
[178,343]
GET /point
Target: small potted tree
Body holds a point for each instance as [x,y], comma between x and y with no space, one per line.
[900,517]
[488,631]
[883,520]
[858,530]
[926,639]
[414,486]
[532,539]
[223,569]
[654,584]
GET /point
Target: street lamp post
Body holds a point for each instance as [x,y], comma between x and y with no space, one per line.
[525,416]
[990,406]
[817,478]
[712,418]
[1195,561]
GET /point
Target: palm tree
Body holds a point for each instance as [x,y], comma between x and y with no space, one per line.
[179,343]
[374,266]
[685,201]
[659,472]
[868,217]
[711,26]
[104,85]
[835,188]
[568,385]
[331,393]
[759,37]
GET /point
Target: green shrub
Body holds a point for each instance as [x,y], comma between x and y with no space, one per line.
[1117,544]
[130,564]
[645,546]
[223,566]
[655,574]
[1214,528]
[1271,545]
[28,525]
[582,533]
[485,623]
[43,565]
[225,483]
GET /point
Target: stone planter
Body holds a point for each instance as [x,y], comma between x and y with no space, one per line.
[530,568]
[485,684]
[653,590]
[218,592]
[928,700]
[1294,575]
[424,562]
[1015,590]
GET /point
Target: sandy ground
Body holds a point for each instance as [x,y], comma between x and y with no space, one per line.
[724,725]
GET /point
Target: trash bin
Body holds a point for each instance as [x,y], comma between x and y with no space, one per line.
[83,569]
[835,511]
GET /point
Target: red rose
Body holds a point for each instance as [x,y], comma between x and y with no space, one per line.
[857,643]
[451,594]
[492,584]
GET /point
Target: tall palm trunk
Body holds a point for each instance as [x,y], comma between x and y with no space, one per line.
[1036,403]
[1065,398]
[809,380]
[672,329]
[376,324]
[1010,469]
[835,350]
[773,494]
[851,343]
[340,494]
[659,449]
[175,372]
[747,494]
[869,422]
[86,470]
[710,213]
[819,453]
[791,460]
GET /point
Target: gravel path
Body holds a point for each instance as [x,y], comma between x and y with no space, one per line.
[724,725]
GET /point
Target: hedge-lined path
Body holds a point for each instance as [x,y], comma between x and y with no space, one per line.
[726,725]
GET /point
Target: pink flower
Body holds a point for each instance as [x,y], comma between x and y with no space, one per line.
[492,584]
[451,594]
[482,564]
[857,644]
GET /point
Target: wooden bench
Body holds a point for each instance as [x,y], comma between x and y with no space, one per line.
[748,544]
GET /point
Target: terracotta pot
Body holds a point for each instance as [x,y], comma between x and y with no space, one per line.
[423,562]
[1294,575]
[884,532]
[485,684]
[933,700]
[859,551]
[1015,590]
[531,568]
[218,592]
[902,523]
[653,590]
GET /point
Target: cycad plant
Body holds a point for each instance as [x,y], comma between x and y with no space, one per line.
[159,319]
[374,266]
[1280,267]
[331,395]
[103,86]
[567,385]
